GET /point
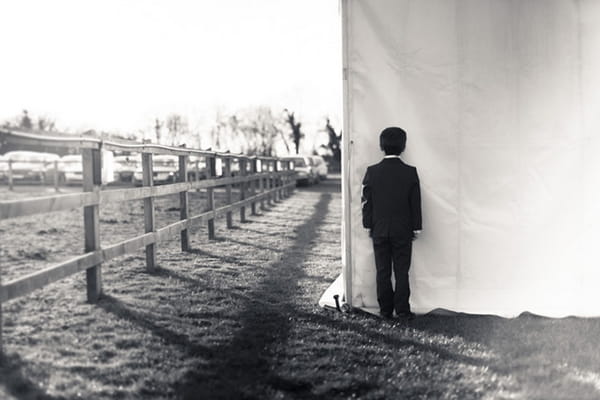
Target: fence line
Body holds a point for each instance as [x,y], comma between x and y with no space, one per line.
[256,186]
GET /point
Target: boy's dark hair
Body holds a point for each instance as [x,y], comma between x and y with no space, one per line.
[392,140]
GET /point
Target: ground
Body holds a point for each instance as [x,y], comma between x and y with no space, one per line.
[237,318]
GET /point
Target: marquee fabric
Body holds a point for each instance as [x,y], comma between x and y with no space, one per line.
[501,103]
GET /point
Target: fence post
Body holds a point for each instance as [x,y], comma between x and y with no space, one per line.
[1,343]
[197,174]
[148,180]
[92,180]
[254,184]
[269,184]
[183,202]
[261,184]
[290,188]
[283,179]
[10,175]
[276,194]
[211,165]
[227,174]
[56,176]
[243,172]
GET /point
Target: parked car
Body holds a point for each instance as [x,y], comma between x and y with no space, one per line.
[70,170]
[196,168]
[125,167]
[3,168]
[305,171]
[165,168]
[29,166]
[320,166]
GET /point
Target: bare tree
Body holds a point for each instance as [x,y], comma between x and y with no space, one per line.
[297,134]
[334,141]
[261,130]
[45,124]
[157,128]
[177,129]
[25,121]
[252,131]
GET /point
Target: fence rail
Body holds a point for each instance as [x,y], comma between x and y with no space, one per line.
[267,179]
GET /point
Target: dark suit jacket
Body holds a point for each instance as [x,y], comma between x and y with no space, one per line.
[391,199]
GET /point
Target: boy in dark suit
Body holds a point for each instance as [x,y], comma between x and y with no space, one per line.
[391,210]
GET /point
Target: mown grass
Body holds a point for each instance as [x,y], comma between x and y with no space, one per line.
[237,318]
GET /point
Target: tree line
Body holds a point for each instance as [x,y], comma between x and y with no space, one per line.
[253,131]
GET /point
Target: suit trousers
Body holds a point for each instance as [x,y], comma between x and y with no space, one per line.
[393,252]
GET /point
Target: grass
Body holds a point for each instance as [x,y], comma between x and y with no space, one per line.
[237,318]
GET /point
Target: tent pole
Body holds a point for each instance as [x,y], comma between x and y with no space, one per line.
[346,161]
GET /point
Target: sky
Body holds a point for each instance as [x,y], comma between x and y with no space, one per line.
[117,65]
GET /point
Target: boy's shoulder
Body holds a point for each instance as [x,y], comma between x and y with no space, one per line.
[383,164]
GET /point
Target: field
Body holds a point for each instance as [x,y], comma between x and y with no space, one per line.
[237,318]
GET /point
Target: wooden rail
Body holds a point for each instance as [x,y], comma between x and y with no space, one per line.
[261,179]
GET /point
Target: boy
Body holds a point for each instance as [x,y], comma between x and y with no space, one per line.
[391,210]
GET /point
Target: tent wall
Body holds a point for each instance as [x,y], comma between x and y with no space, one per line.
[501,102]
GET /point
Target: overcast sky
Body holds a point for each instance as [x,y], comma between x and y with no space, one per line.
[117,64]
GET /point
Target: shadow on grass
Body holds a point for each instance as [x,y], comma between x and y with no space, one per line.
[528,337]
[263,233]
[226,259]
[243,366]
[13,378]
[330,185]
[145,320]
[191,282]
[257,246]
[391,340]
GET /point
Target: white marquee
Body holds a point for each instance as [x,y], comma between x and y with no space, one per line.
[501,102]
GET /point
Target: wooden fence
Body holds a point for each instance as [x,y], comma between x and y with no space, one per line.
[261,180]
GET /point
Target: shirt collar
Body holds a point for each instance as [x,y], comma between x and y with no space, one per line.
[392,156]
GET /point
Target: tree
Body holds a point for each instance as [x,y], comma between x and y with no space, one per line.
[25,121]
[157,127]
[177,130]
[45,124]
[254,131]
[297,134]
[334,141]
[175,127]
[261,130]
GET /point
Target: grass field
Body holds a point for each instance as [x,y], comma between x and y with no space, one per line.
[237,318]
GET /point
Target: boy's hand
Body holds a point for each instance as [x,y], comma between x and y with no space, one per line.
[416,235]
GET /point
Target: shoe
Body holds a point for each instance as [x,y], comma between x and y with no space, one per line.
[408,315]
[386,315]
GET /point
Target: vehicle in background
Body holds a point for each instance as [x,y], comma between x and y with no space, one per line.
[29,166]
[3,168]
[235,167]
[196,168]
[68,169]
[320,166]
[305,171]
[164,167]
[125,167]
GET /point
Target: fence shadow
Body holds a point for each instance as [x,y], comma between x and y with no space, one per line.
[14,379]
[114,306]
[244,363]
